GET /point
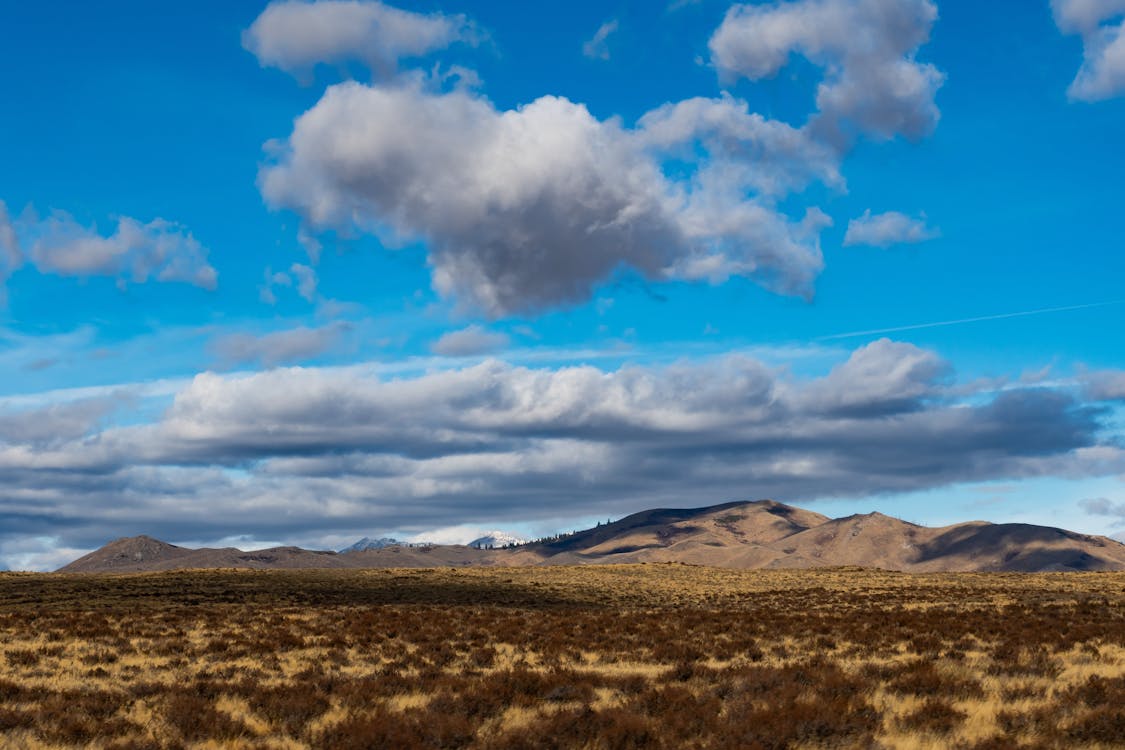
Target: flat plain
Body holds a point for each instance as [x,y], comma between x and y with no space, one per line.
[631,656]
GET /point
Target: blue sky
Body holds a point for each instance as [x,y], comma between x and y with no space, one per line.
[307,271]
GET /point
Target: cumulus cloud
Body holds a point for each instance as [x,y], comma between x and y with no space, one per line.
[886,229]
[136,251]
[884,377]
[470,341]
[296,35]
[291,453]
[872,82]
[530,208]
[597,48]
[280,347]
[1101,23]
[158,250]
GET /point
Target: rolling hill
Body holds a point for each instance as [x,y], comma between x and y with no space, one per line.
[762,534]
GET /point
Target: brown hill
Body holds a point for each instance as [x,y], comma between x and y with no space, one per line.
[733,535]
[1017,547]
[871,540]
[129,555]
[143,553]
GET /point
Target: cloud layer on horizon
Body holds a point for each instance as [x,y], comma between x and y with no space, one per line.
[303,452]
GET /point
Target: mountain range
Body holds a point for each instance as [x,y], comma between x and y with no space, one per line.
[762,534]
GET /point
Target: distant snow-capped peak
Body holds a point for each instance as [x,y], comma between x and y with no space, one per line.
[497,539]
[367,543]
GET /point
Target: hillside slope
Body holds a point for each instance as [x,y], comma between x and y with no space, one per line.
[762,534]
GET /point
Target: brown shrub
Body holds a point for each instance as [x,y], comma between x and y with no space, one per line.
[922,678]
[195,718]
[609,729]
[935,716]
[23,657]
[289,707]
[382,728]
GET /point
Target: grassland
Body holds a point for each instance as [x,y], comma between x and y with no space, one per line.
[657,656]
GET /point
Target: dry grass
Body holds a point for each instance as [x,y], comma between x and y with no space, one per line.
[658,656]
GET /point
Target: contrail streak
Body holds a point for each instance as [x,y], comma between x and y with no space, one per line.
[959,321]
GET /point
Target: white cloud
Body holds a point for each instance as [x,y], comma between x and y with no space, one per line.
[886,229]
[872,82]
[530,208]
[470,341]
[882,377]
[1101,23]
[596,48]
[1079,16]
[460,534]
[296,35]
[136,252]
[56,423]
[37,553]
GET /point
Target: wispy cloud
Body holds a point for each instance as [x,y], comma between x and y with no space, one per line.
[596,47]
[469,342]
[280,347]
[1100,506]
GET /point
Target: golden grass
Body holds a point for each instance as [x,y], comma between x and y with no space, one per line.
[661,656]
